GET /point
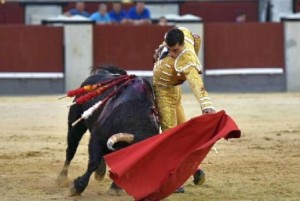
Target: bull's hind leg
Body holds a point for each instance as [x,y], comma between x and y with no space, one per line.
[95,150]
[199,177]
[115,190]
[74,136]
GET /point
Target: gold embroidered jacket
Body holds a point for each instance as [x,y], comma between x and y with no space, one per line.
[170,72]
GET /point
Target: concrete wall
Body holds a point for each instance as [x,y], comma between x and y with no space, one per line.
[292,59]
[34,14]
[78,53]
[158,10]
[281,7]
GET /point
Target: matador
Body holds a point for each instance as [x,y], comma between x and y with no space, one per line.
[175,61]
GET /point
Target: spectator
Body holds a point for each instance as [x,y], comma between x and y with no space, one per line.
[117,15]
[78,10]
[162,21]
[101,16]
[241,17]
[139,14]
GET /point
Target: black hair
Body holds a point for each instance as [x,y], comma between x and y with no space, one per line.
[174,36]
[108,67]
[241,13]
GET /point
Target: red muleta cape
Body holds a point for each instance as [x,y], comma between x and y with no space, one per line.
[154,168]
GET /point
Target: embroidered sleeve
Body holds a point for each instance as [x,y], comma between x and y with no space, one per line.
[197,43]
[198,89]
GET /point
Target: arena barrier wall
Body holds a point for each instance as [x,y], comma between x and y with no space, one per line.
[31,59]
[238,57]
[297,6]
[244,57]
[131,47]
[221,11]
[12,13]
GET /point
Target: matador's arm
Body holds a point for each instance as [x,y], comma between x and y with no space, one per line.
[197,43]
[198,89]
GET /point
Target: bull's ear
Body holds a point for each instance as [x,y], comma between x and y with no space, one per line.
[119,137]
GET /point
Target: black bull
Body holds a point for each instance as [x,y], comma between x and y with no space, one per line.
[131,110]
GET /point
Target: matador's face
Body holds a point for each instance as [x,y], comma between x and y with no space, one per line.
[175,50]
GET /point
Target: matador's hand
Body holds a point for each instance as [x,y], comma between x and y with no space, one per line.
[196,36]
[157,53]
[208,111]
[155,56]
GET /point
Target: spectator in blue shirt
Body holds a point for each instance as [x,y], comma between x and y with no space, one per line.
[78,10]
[117,15]
[139,14]
[101,16]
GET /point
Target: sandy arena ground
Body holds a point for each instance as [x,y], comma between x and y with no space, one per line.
[264,164]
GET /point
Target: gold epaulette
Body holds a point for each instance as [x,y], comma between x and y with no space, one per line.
[187,59]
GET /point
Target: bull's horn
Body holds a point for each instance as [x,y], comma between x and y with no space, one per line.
[119,137]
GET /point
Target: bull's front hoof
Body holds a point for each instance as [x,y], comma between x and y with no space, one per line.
[98,177]
[62,181]
[115,192]
[74,191]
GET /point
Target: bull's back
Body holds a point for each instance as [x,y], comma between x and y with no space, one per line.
[132,110]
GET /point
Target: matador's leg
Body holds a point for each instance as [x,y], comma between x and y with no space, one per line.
[179,110]
[166,101]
